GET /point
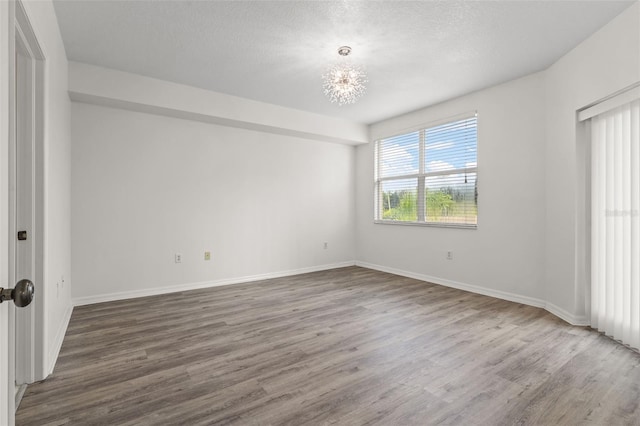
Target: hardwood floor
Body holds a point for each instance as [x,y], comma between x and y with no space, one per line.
[349,346]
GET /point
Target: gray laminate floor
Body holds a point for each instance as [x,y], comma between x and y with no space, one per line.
[349,346]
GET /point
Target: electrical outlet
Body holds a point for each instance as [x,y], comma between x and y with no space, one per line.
[207,255]
[450,255]
[326,245]
[178,258]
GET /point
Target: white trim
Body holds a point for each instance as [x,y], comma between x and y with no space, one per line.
[512,297]
[428,224]
[20,390]
[89,300]
[580,320]
[57,342]
[7,278]
[31,327]
[613,101]
[499,294]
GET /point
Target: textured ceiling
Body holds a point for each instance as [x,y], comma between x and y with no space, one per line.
[416,53]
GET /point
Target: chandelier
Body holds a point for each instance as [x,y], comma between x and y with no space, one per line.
[344,82]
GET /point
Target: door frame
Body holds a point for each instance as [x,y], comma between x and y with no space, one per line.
[30,325]
[13,19]
[7,330]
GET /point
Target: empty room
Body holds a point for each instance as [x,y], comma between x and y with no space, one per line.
[319,212]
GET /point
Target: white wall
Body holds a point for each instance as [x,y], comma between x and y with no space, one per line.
[145,187]
[138,181]
[108,87]
[530,242]
[505,253]
[57,250]
[605,63]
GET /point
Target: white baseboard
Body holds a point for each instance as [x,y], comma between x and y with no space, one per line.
[20,390]
[567,316]
[499,294]
[57,343]
[89,300]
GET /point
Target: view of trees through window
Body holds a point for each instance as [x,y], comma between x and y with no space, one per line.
[429,176]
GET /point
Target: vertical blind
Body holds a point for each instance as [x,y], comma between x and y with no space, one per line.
[615,223]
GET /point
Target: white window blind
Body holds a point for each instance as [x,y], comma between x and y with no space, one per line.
[429,176]
[615,223]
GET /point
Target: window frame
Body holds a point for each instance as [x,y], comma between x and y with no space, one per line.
[422,175]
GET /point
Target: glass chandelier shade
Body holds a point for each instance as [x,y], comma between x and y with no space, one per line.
[344,82]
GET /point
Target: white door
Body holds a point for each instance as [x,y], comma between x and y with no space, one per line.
[7,99]
[21,203]
[23,228]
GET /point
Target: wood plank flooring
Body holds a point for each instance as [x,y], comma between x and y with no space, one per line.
[349,346]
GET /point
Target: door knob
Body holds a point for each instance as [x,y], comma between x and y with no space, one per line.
[22,294]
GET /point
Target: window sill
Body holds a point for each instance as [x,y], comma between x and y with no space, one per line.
[427,224]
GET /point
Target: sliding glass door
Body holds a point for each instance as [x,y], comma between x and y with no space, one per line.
[615,223]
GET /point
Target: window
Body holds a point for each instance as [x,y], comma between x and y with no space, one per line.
[429,176]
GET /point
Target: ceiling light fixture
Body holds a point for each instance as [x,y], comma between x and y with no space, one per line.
[344,82]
